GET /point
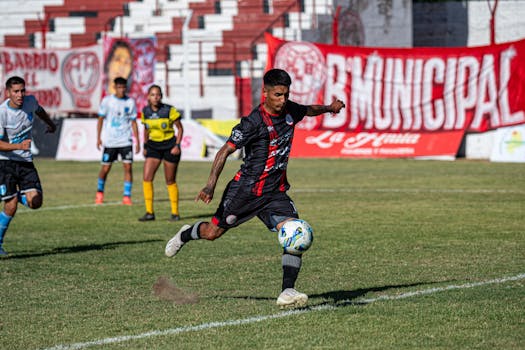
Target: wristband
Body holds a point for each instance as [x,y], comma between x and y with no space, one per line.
[177,145]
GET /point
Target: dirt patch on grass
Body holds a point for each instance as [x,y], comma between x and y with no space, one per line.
[165,289]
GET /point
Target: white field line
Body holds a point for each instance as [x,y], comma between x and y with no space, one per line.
[221,324]
[66,207]
[404,190]
[315,190]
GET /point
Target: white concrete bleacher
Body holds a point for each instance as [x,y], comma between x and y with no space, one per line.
[14,13]
[165,18]
[61,37]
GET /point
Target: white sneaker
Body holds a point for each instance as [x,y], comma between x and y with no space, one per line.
[175,243]
[292,298]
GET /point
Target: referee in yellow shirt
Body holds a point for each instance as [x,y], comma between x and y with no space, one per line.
[161,143]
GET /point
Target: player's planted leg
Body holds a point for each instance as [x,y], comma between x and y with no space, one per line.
[289,297]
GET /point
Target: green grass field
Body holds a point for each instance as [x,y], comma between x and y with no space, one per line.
[407,255]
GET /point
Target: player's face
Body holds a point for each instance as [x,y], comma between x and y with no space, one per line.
[275,98]
[16,95]
[120,90]
[154,97]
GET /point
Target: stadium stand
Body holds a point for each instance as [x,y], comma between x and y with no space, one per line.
[226,42]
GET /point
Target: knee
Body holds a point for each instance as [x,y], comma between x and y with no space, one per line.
[35,202]
[210,232]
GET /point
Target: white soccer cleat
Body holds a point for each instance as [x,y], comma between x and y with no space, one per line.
[175,243]
[290,298]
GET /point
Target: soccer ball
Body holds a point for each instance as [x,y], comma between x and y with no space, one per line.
[296,236]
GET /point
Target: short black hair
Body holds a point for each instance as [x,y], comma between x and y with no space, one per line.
[14,80]
[155,86]
[276,77]
[120,81]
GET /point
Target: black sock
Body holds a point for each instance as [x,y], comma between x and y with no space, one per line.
[191,233]
[290,274]
[291,267]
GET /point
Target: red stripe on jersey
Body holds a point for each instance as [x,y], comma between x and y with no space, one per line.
[237,176]
[231,144]
[215,221]
[272,148]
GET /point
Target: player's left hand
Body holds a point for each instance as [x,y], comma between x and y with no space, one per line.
[137,148]
[51,128]
[336,106]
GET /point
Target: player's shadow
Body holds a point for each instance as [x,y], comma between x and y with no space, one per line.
[345,297]
[79,249]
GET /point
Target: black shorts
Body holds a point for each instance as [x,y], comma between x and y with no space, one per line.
[17,177]
[162,150]
[111,154]
[239,204]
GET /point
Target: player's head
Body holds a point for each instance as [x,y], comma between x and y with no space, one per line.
[275,77]
[276,90]
[15,88]
[154,95]
[121,86]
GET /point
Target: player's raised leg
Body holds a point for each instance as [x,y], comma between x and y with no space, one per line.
[199,230]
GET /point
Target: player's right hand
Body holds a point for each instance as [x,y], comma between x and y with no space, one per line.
[205,195]
[25,145]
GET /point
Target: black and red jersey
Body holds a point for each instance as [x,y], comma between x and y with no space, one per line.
[267,140]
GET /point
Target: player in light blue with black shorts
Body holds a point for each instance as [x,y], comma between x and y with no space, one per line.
[19,180]
[117,119]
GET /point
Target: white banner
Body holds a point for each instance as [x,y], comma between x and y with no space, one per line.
[509,145]
[68,80]
[78,141]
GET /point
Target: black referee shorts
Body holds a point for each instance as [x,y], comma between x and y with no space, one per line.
[162,150]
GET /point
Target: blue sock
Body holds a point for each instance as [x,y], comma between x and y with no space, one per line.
[4,224]
[100,185]
[127,188]
[22,198]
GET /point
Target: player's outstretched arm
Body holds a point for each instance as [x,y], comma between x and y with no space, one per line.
[42,114]
[206,194]
[334,107]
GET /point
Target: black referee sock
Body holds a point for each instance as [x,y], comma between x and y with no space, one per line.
[191,233]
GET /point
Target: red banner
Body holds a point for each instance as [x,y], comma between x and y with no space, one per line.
[340,144]
[417,90]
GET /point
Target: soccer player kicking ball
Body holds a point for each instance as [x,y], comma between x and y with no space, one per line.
[19,181]
[259,187]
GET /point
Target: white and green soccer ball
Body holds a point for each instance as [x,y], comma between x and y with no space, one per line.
[296,236]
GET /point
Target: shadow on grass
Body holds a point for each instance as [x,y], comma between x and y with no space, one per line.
[79,249]
[343,297]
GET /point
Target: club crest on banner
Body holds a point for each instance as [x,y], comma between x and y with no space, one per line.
[81,72]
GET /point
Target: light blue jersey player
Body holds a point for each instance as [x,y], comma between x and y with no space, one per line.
[19,180]
[117,122]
